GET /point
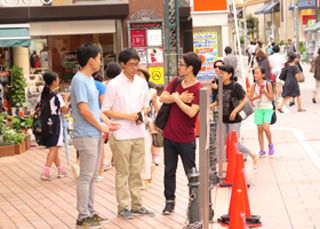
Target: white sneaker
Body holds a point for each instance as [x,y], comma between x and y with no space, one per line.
[75,171]
[99,178]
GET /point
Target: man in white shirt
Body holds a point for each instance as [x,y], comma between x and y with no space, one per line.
[126,100]
[277,61]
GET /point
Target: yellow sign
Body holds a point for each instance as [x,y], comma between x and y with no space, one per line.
[157,75]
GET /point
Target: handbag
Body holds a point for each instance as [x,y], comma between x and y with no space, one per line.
[301,77]
[283,74]
[313,65]
[246,110]
[164,112]
[157,139]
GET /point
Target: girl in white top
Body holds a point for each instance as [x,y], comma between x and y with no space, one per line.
[262,95]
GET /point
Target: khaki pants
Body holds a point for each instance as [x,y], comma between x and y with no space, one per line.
[129,158]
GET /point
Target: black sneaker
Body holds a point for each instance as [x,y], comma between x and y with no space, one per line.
[168,208]
[125,214]
[142,211]
[98,219]
[87,223]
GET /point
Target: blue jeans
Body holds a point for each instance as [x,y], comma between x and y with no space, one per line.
[172,149]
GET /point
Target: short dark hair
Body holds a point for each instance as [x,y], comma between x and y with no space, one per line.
[218,61]
[289,39]
[273,44]
[292,56]
[262,70]
[260,44]
[276,48]
[87,51]
[228,50]
[98,76]
[128,54]
[113,70]
[229,69]
[193,60]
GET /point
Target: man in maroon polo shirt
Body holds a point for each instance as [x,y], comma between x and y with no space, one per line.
[179,132]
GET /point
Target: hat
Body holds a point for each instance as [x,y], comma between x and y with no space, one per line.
[144,71]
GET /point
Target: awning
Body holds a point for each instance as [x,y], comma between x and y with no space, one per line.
[270,7]
[313,28]
[303,5]
[260,10]
[15,35]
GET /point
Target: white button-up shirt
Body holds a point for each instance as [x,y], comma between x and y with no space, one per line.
[127,97]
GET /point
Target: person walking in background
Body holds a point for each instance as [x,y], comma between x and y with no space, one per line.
[264,62]
[127,100]
[290,47]
[148,167]
[316,76]
[291,87]
[179,135]
[214,82]
[231,119]
[262,95]
[277,61]
[283,49]
[55,139]
[87,133]
[231,60]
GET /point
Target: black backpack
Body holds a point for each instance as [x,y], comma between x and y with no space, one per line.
[41,117]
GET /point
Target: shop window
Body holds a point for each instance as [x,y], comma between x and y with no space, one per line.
[59,53]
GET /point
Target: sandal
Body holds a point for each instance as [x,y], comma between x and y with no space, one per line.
[301,110]
[314,100]
[291,103]
[280,110]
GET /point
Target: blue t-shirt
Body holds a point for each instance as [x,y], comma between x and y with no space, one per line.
[101,88]
[83,89]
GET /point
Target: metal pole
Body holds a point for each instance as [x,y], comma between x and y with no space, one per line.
[239,47]
[317,5]
[296,24]
[244,16]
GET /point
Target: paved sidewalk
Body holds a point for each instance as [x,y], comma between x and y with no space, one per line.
[285,190]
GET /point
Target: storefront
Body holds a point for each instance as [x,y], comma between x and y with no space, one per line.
[55,35]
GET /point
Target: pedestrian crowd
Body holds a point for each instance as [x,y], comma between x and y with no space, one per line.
[122,110]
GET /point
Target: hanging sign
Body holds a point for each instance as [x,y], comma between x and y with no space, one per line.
[156,75]
[138,38]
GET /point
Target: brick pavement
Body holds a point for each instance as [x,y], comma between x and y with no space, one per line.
[285,191]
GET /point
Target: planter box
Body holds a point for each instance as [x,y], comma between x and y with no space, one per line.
[20,148]
[27,142]
[7,150]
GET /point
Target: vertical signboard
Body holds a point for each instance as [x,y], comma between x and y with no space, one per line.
[147,39]
[205,45]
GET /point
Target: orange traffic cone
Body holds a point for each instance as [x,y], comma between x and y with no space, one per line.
[231,162]
[238,219]
[240,183]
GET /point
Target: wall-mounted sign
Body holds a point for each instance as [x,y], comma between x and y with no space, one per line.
[154,37]
[156,75]
[205,44]
[143,56]
[145,25]
[205,5]
[155,56]
[138,38]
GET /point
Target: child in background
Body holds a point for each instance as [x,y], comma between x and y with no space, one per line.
[262,95]
[54,140]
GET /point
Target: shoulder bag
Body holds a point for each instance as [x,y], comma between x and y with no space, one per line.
[283,74]
[164,111]
[157,139]
[313,65]
[246,110]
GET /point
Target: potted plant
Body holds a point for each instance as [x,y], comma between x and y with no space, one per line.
[21,125]
[17,90]
[6,148]
[18,139]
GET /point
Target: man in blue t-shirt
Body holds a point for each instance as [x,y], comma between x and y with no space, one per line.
[87,132]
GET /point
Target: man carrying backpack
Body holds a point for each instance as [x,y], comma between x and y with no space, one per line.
[87,133]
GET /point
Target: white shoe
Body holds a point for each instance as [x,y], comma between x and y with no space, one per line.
[99,178]
[75,171]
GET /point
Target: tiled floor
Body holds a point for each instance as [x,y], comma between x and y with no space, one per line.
[285,191]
